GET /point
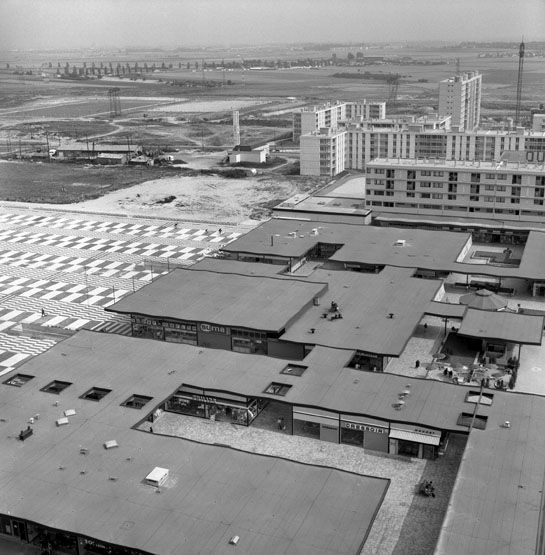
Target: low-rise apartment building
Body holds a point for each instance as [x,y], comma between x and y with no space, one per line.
[313,118]
[503,191]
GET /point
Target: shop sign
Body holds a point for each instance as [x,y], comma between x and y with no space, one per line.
[364,428]
[416,429]
[204,399]
[211,328]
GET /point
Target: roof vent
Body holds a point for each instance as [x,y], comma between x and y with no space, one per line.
[157,477]
[62,421]
[110,444]
[234,540]
[69,412]
[399,243]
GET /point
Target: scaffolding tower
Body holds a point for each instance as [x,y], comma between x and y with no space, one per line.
[115,102]
[519,84]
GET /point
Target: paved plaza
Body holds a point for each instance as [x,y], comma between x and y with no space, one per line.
[60,269]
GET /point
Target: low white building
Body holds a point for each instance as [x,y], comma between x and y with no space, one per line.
[249,155]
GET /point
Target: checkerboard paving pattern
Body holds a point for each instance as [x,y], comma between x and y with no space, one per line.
[142,230]
[71,264]
[103,245]
[10,318]
[60,291]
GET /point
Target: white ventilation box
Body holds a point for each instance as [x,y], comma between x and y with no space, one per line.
[110,444]
[157,477]
[399,243]
[62,421]
[69,412]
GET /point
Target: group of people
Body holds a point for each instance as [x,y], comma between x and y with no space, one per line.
[427,488]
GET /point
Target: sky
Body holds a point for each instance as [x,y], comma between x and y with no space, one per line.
[53,24]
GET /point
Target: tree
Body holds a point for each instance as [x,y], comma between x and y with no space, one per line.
[196,66]
[350,57]
[179,65]
[188,65]
[50,65]
[163,65]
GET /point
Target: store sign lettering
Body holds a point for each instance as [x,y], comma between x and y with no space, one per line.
[211,328]
[364,428]
[205,399]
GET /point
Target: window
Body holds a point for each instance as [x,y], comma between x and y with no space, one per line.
[277,389]
[473,397]
[95,394]
[55,386]
[136,401]
[18,380]
[294,370]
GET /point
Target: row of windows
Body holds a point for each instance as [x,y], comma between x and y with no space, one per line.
[94,394]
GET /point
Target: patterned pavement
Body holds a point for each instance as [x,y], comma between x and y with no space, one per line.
[58,272]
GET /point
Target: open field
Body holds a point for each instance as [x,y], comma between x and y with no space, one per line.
[127,189]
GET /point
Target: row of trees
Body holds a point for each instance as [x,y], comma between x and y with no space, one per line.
[108,68]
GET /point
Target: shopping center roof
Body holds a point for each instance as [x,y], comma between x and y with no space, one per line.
[504,326]
[367,244]
[379,311]
[261,303]
[497,500]
[212,494]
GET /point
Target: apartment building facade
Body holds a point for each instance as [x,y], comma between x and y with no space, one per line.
[364,143]
[501,191]
[460,98]
[323,152]
[313,118]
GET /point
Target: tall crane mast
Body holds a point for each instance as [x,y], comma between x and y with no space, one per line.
[519,83]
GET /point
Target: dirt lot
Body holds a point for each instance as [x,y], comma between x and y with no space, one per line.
[174,192]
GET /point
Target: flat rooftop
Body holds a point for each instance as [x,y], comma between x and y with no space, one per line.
[292,238]
[503,326]
[366,302]
[461,165]
[212,493]
[262,303]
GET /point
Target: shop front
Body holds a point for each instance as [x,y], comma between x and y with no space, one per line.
[164,330]
[368,433]
[316,423]
[248,341]
[414,441]
[213,405]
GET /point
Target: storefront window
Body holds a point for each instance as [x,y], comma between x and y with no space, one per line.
[407,448]
[5,525]
[306,429]
[352,437]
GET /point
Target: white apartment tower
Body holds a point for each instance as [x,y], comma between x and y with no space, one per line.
[460,98]
[323,152]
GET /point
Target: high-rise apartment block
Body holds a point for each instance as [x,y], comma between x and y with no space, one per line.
[460,98]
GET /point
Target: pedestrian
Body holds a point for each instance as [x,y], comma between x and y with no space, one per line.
[280,422]
[220,230]
[43,313]
[417,364]
[151,429]
[176,225]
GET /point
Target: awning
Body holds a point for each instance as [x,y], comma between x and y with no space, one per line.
[415,437]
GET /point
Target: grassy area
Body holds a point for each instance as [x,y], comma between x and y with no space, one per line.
[68,183]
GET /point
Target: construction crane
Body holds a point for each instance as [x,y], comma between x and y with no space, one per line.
[519,83]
